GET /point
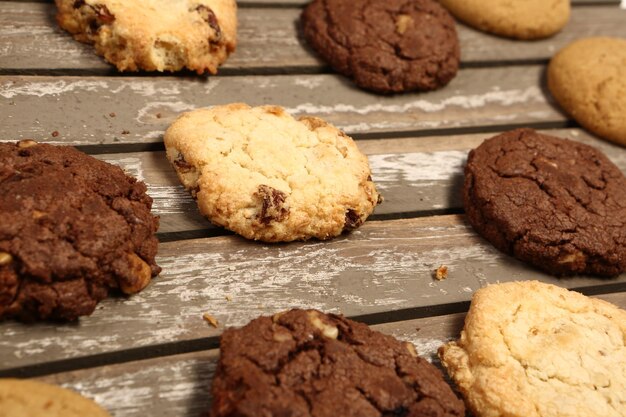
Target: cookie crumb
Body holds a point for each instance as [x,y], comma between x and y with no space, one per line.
[229,298]
[112,114]
[441,273]
[158,115]
[125,132]
[210,319]
[55,133]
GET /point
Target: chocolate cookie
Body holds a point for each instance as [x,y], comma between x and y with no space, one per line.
[72,228]
[154,35]
[557,204]
[385,46]
[305,363]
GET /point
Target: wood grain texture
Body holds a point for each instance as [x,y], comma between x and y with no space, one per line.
[381,267]
[415,175]
[180,385]
[106,110]
[269,40]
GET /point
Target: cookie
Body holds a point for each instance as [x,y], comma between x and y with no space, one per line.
[528,19]
[385,46]
[72,228]
[305,363]
[266,176]
[530,349]
[26,398]
[154,35]
[554,203]
[588,79]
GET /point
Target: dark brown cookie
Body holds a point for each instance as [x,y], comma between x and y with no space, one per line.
[304,363]
[72,228]
[385,46]
[557,204]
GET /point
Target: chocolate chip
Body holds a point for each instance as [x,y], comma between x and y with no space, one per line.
[182,164]
[208,16]
[353,220]
[104,15]
[79,3]
[96,15]
[273,204]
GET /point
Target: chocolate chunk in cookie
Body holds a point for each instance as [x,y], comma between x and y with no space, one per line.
[267,176]
[304,363]
[72,228]
[385,46]
[154,35]
[557,204]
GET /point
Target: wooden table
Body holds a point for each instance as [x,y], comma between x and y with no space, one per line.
[153,354]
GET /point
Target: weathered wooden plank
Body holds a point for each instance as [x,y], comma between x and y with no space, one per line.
[105,110]
[180,385]
[269,40]
[382,267]
[414,175]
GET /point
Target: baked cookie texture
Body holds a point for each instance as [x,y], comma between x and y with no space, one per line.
[305,363]
[72,228]
[154,35]
[266,176]
[588,79]
[527,19]
[27,398]
[388,46]
[530,349]
[557,204]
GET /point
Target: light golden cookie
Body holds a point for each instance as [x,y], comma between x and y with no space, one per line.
[154,35]
[530,349]
[266,176]
[588,79]
[519,19]
[26,398]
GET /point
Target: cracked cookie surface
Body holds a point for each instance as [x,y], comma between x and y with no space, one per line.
[27,398]
[557,204]
[588,79]
[154,35]
[72,228]
[304,363]
[528,19]
[385,46]
[267,176]
[530,349]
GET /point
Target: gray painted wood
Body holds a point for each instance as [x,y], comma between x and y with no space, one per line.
[180,385]
[269,40]
[413,174]
[381,267]
[79,109]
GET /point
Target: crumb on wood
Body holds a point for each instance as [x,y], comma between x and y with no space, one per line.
[441,273]
[229,298]
[210,319]
[159,115]
[417,329]
[125,132]
[55,133]
[112,114]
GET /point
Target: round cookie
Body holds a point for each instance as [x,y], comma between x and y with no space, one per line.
[530,349]
[385,46]
[527,19]
[27,398]
[72,228]
[588,79]
[554,203]
[266,176]
[154,35]
[304,363]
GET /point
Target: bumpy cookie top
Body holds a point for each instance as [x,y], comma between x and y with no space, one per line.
[154,35]
[555,203]
[530,349]
[27,398]
[304,363]
[266,176]
[588,79]
[385,46]
[72,228]
[527,19]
